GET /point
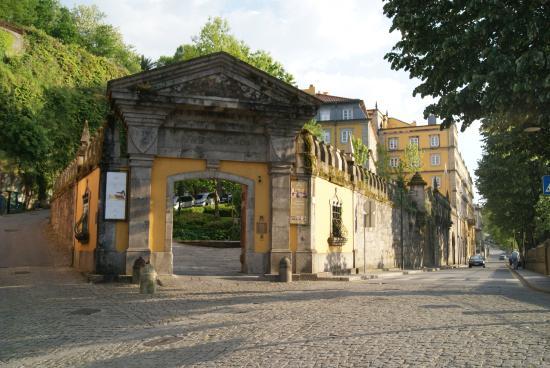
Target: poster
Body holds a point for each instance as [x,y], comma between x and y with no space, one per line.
[299,200]
[115,196]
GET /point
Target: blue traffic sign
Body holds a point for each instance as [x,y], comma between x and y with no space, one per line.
[546,185]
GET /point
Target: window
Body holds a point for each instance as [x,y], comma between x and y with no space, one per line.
[338,233]
[324,114]
[394,161]
[392,144]
[436,182]
[345,135]
[326,136]
[435,159]
[414,140]
[434,140]
[347,114]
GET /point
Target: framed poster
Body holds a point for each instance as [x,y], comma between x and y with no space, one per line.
[115,196]
[299,201]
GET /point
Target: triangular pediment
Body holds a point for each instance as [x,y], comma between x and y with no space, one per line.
[214,80]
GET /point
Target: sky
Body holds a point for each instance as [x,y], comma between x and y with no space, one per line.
[338,46]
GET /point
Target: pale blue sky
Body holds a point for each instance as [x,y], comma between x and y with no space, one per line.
[338,46]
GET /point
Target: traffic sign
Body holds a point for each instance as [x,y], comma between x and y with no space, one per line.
[546,185]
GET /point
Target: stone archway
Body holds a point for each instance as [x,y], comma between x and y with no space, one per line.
[247,247]
[216,112]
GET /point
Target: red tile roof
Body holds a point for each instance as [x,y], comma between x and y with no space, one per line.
[334,99]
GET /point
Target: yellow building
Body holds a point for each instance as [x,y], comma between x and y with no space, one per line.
[441,165]
[343,118]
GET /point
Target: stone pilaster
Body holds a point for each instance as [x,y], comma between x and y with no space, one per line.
[139,208]
[280,213]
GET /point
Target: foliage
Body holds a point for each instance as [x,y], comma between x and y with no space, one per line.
[412,159]
[542,218]
[215,36]
[314,128]
[46,94]
[6,41]
[479,59]
[360,151]
[383,168]
[190,225]
[509,178]
[83,26]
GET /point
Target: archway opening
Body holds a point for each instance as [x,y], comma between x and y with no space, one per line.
[208,231]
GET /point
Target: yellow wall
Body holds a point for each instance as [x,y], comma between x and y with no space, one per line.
[423,132]
[91,181]
[324,193]
[335,130]
[165,167]
[121,236]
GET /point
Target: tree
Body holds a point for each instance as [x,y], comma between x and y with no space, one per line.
[314,128]
[360,151]
[215,36]
[146,63]
[383,168]
[509,176]
[479,59]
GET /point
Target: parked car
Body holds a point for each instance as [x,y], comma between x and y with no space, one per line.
[226,198]
[184,202]
[502,257]
[476,260]
[205,199]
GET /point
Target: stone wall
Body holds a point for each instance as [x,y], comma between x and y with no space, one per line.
[538,259]
[62,216]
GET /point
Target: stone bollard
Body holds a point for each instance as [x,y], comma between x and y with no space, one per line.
[148,280]
[136,269]
[285,270]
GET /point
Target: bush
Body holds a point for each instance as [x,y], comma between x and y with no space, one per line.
[226,210]
[189,225]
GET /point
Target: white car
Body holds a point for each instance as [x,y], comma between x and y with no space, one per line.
[184,202]
[205,199]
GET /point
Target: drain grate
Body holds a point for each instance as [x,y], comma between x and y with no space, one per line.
[163,341]
[21,272]
[11,230]
[85,311]
[441,306]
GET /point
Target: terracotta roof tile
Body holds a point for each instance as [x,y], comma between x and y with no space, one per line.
[334,99]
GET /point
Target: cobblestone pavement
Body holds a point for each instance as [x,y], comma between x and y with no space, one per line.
[199,260]
[458,318]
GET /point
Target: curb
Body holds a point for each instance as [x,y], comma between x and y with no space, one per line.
[526,283]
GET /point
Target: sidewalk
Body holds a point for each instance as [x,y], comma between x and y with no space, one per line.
[533,280]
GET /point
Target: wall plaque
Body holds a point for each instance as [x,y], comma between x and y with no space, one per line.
[299,202]
[115,196]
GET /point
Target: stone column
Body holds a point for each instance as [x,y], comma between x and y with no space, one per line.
[280,213]
[139,208]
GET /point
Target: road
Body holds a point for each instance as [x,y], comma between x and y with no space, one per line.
[50,317]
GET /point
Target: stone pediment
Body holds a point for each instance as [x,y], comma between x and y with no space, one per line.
[217,80]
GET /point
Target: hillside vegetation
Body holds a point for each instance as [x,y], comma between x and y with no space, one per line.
[46,93]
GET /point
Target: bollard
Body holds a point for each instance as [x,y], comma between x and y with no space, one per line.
[136,269]
[285,270]
[148,279]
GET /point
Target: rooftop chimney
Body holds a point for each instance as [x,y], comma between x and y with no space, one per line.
[310,89]
[432,120]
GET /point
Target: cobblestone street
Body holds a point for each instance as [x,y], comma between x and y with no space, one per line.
[479,317]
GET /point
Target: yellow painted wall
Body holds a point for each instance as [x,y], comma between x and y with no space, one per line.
[324,193]
[91,181]
[404,131]
[165,167]
[121,236]
[335,131]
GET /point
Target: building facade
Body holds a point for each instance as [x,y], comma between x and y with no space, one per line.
[343,118]
[443,167]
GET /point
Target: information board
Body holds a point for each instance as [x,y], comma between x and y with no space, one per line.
[299,201]
[115,196]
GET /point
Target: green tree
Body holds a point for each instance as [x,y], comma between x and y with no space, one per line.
[508,176]
[216,36]
[479,59]
[360,151]
[314,128]
[383,168]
